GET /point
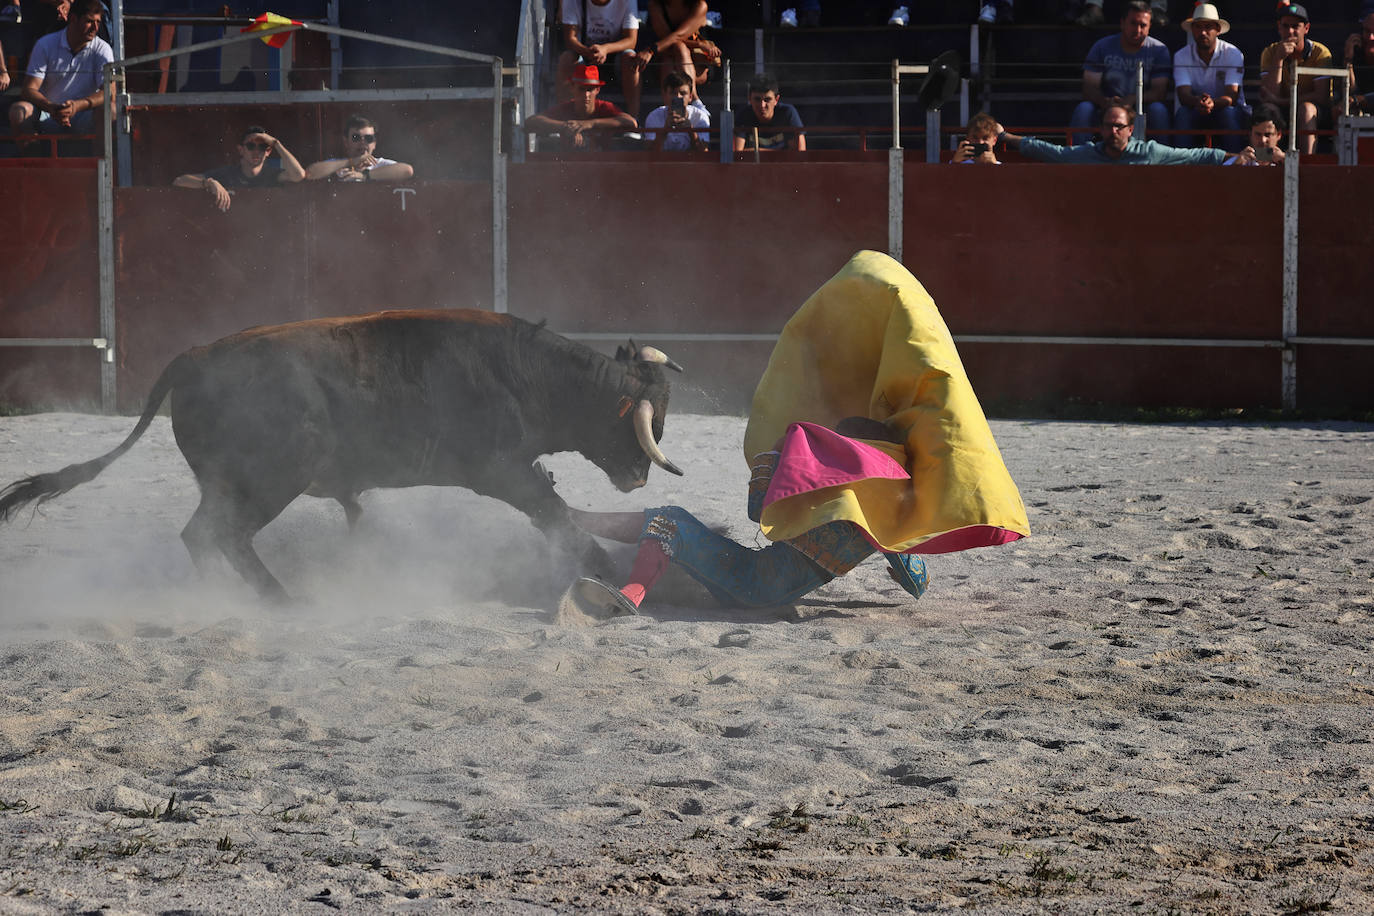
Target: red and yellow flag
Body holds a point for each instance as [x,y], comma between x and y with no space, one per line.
[271,20]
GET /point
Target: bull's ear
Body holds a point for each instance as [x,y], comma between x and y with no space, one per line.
[627,353]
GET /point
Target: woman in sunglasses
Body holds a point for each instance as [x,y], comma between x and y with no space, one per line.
[252,170]
[362,162]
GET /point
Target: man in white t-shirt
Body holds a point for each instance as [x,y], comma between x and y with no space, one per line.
[596,31]
[1208,73]
[679,110]
[362,162]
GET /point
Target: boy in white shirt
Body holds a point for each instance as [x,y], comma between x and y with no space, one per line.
[680,111]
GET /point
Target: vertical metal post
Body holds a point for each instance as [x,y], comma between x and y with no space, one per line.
[895,191]
[1140,122]
[896,106]
[105,215]
[335,49]
[104,210]
[933,135]
[758,51]
[1290,279]
[1292,68]
[499,253]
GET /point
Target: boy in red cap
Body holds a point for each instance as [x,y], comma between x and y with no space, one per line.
[576,119]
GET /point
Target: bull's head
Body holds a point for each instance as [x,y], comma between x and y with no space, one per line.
[643,404]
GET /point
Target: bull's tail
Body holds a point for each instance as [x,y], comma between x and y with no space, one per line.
[42,487]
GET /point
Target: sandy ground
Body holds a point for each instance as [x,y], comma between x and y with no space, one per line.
[1161,702]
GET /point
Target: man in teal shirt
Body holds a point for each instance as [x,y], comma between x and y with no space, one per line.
[1117,146]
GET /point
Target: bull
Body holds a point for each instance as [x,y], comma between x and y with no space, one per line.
[334,406]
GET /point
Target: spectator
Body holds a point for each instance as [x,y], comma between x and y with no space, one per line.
[996,12]
[362,162]
[807,14]
[1208,73]
[979,145]
[769,123]
[1109,74]
[611,30]
[4,71]
[1314,93]
[1359,62]
[1117,146]
[677,41]
[1266,133]
[1092,15]
[251,171]
[579,117]
[679,111]
[65,79]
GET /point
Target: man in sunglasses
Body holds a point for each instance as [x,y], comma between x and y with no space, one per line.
[251,171]
[362,162]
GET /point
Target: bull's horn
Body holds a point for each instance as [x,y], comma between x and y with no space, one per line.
[652,355]
[644,432]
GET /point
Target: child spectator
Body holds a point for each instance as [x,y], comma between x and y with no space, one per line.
[576,120]
[769,123]
[679,111]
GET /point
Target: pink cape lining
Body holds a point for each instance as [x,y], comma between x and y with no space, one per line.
[814,457]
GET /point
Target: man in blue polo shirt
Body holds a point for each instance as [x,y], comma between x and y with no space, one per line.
[1109,73]
[1118,147]
[65,80]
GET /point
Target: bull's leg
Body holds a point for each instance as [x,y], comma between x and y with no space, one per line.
[228,518]
[530,490]
[353,510]
[200,537]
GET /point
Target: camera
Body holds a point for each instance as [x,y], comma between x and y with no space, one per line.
[678,105]
[1264,154]
[979,148]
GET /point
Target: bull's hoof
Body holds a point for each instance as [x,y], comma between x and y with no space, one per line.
[597,599]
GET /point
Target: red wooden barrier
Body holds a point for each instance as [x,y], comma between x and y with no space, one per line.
[654,249]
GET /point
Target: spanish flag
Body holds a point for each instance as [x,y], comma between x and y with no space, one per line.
[268,21]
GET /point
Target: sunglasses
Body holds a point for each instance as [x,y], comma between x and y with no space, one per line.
[257,146]
[363,138]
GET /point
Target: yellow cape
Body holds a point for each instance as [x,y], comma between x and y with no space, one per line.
[871,343]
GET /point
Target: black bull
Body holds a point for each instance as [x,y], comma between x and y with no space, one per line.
[334,406]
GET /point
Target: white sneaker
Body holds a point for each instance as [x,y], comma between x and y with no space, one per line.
[788,19]
[713,19]
[988,14]
[899,16]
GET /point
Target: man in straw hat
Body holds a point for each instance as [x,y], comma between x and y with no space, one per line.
[577,119]
[1207,78]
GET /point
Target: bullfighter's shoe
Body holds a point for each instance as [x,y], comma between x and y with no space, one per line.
[597,599]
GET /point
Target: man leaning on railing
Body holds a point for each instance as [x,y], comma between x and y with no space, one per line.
[1118,147]
[578,121]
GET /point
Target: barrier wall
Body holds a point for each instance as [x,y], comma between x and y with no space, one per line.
[49,283]
[187,274]
[655,249]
